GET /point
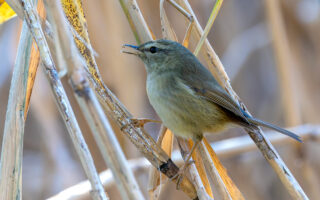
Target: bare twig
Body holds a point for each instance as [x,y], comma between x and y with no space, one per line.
[167,30]
[105,138]
[165,140]
[221,189]
[193,172]
[12,144]
[137,23]
[181,10]
[62,100]
[211,19]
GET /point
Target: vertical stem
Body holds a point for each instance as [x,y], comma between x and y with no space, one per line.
[108,144]
[12,145]
[205,33]
[62,101]
[285,64]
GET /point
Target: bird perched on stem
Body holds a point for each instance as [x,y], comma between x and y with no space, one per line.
[186,96]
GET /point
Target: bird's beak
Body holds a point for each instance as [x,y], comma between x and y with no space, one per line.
[136,50]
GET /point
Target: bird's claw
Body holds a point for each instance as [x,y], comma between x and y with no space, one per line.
[139,122]
[181,173]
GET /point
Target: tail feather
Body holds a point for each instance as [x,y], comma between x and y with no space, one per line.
[276,128]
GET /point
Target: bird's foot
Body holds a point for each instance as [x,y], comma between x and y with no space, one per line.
[139,122]
[181,173]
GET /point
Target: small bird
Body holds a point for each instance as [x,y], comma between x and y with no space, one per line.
[185,95]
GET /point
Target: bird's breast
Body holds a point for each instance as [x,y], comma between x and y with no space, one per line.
[179,109]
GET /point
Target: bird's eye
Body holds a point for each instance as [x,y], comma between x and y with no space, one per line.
[153,49]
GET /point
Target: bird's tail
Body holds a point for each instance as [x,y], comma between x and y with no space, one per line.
[259,122]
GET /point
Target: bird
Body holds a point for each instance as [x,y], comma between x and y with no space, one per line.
[186,96]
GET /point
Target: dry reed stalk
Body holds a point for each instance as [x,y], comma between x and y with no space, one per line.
[225,148]
[12,144]
[99,124]
[285,63]
[165,140]
[208,27]
[231,187]
[62,101]
[268,151]
[136,21]
[139,137]
[198,161]
[34,63]
[29,61]
[193,172]
[221,191]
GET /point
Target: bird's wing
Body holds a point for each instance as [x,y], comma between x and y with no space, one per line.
[217,95]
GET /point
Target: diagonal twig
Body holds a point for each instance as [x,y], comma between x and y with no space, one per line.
[211,19]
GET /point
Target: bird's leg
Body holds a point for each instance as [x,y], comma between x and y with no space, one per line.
[180,175]
[140,122]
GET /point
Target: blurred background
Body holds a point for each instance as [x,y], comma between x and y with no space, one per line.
[244,39]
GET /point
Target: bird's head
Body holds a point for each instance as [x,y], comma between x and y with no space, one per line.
[160,54]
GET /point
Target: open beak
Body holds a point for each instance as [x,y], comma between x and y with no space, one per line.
[135,51]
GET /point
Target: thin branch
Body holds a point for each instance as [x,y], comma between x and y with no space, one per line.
[193,171]
[165,140]
[231,187]
[137,23]
[207,29]
[12,144]
[105,138]
[218,183]
[62,100]
[181,10]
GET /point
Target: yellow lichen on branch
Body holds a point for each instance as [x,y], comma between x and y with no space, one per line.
[74,13]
